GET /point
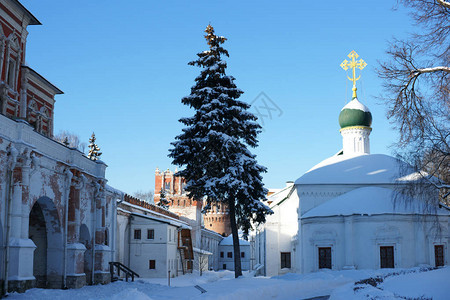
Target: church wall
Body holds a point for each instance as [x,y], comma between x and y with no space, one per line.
[356,240]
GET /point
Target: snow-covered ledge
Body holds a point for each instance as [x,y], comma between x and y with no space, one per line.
[23,135]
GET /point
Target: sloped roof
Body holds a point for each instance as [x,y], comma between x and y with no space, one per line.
[371,201]
[228,241]
[281,195]
[362,169]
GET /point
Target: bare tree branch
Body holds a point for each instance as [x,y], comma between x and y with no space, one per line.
[416,81]
[444,3]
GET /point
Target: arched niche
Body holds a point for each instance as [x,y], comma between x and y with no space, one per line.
[45,231]
[86,240]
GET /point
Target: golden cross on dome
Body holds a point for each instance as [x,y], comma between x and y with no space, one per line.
[353,64]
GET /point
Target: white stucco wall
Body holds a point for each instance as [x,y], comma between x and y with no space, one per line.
[210,242]
[356,240]
[162,249]
[229,262]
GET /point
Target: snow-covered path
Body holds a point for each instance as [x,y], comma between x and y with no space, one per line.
[222,285]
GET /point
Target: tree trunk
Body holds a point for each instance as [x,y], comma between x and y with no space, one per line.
[234,232]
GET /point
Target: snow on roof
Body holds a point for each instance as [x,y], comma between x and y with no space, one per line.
[228,241]
[211,232]
[355,104]
[155,216]
[362,169]
[114,190]
[201,251]
[281,195]
[370,201]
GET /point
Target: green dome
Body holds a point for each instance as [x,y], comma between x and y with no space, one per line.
[355,114]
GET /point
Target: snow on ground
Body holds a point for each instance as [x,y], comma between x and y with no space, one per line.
[222,285]
[414,284]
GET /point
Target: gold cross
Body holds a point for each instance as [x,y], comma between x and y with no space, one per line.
[353,64]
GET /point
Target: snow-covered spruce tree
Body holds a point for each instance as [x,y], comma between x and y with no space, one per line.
[163,202]
[218,167]
[94,150]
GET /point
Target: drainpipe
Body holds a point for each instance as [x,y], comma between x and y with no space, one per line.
[69,176]
[10,178]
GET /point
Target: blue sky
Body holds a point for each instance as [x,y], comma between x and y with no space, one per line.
[123,68]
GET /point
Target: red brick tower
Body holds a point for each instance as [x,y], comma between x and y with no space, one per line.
[216,219]
[174,188]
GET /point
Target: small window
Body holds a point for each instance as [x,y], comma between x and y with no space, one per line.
[11,73]
[167,186]
[170,235]
[221,254]
[230,254]
[174,235]
[152,264]
[224,266]
[285,260]
[439,255]
[137,234]
[150,234]
[325,258]
[242,254]
[387,257]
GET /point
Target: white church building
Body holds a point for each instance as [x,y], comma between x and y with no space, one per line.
[346,212]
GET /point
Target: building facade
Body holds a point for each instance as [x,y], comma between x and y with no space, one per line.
[152,241]
[226,254]
[55,210]
[210,242]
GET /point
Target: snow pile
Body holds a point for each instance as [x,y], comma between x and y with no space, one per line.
[414,284]
[193,278]
[130,294]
